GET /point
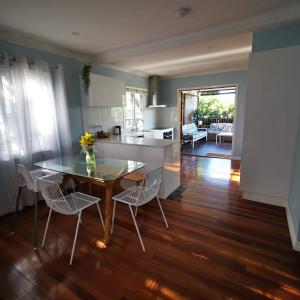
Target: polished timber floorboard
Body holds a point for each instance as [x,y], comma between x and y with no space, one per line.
[218,246]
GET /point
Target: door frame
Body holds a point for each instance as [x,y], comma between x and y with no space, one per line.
[180,106]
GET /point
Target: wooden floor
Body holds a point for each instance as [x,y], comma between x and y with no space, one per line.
[218,246]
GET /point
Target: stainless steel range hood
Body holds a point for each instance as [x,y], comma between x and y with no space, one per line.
[154,91]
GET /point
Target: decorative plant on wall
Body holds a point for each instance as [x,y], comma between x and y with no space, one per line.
[85,76]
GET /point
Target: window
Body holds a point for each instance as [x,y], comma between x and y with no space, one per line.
[134,104]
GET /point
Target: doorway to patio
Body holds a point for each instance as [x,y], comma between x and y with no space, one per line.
[207,121]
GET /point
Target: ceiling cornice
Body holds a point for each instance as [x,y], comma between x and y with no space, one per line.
[260,22]
[27,40]
[204,73]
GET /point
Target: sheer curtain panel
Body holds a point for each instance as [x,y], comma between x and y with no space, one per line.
[62,112]
[28,120]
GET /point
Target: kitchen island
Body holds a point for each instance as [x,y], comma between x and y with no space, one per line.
[153,152]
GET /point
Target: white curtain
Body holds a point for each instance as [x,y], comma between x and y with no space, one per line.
[28,120]
[62,112]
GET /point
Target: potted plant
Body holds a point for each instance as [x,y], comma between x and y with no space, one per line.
[197,117]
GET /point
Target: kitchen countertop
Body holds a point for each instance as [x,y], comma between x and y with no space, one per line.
[129,140]
[160,129]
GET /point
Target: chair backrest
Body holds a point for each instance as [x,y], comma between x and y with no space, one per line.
[189,128]
[224,127]
[150,187]
[24,177]
[54,197]
[42,155]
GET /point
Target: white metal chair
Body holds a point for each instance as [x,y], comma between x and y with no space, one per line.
[29,180]
[72,204]
[140,195]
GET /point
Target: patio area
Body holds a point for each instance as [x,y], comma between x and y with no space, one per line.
[209,149]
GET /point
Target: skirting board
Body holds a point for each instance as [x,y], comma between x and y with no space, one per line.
[295,242]
[278,202]
[265,199]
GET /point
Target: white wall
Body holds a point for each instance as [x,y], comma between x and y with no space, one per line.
[271,122]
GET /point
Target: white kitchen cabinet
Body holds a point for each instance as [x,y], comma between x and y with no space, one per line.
[98,94]
[149,135]
[105,91]
[116,92]
[159,133]
[154,153]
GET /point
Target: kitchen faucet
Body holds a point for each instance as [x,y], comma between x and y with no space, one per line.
[137,121]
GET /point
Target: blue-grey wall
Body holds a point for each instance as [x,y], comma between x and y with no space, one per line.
[72,69]
[284,36]
[169,88]
[294,199]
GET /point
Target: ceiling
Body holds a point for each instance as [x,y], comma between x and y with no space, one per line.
[198,56]
[146,37]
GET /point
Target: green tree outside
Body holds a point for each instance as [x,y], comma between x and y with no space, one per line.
[211,107]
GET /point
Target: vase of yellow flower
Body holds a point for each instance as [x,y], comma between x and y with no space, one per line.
[87,143]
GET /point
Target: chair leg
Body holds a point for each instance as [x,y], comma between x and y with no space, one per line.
[46,229]
[75,238]
[113,218]
[136,210]
[16,211]
[100,214]
[36,200]
[162,212]
[136,227]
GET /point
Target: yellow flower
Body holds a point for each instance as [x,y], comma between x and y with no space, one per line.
[87,139]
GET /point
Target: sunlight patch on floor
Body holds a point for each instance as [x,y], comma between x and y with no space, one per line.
[264,293]
[290,289]
[154,286]
[100,244]
[200,256]
[219,169]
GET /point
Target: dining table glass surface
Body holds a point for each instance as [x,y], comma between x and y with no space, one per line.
[104,169]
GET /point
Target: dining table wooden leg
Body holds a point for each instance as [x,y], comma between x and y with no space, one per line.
[108,210]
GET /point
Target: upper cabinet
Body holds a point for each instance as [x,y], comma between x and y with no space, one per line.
[117,91]
[105,91]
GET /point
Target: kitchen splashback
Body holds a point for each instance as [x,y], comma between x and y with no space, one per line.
[108,117]
[168,117]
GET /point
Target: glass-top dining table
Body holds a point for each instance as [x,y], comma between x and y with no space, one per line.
[105,172]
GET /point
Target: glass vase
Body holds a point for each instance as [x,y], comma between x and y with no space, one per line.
[89,155]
